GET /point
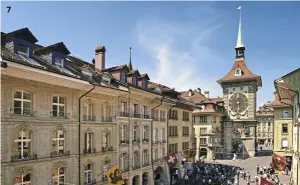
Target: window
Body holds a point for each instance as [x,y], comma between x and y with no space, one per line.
[59,62]
[162,154]
[156,134]
[144,84]
[135,132]
[88,173]
[238,72]
[173,148]
[105,140]
[22,50]
[124,161]
[163,134]
[173,114]
[203,141]
[135,108]
[203,131]
[194,119]
[145,110]
[162,116]
[284,128]
[185,116]
[88,111]
[185,146]
[88,143]
[22,145]
[22,103]
[58,143]
[58,106]
[123,77]
[285,114]
[145,132]
[284,143]
[123,132]
[203,119]
[156,114]
[123,106]
[133,80]
[185,131]
[145,157]
[58,176]
[156,154]
[22,179]
[173,131]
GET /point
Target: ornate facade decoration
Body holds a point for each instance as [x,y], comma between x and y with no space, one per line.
[23,170]
[60,164]
[60,127]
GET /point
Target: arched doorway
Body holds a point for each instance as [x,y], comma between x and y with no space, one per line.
[203,153]
[159,176]
[136,180]
[145,178]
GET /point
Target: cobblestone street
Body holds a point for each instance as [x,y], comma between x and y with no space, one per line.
[250,166]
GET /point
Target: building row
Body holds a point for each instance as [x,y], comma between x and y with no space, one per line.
[287,121]
[67,121]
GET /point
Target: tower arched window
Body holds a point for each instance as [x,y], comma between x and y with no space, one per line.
[238,72]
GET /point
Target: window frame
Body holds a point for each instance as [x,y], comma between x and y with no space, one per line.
[22,100]
[88,171]
[60,63]
[58,175]
[57,140]
[22,141]
[283,126]
[22,182]
[58,104]
[123,77]
[26,54]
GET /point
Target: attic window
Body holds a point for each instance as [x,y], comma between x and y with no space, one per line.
[22,50]
[123,77]
[106,78]
[87,73]
[59,62]
[144,84]
[133,80]
[238,72]
[158,90]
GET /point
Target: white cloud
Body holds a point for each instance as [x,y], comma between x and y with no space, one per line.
[182,51]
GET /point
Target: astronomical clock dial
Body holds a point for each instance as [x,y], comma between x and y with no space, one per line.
[238,102]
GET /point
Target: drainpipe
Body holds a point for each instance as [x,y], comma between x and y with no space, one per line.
[151,125]
[168,115]
[79,132]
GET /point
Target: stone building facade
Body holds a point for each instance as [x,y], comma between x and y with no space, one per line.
[68,121]
[265,125]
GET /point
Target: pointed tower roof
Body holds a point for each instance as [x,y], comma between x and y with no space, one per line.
[130,64]
[239,70]
[239,42]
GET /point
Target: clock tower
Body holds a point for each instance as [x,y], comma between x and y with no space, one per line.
[240,86]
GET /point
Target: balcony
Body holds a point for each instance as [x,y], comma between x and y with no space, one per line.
[146,164]
[124,142]
[136,140]
[107,148]
[89,150]
[59,154]
[162,119]
[89,118]
[124,114]
[17,158]
[145,116]
[155,119]
[145,140]
[93,182]
[106,119]
[136,115]
[174,118]
[124,170]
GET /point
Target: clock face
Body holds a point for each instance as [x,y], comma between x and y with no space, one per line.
[238,102]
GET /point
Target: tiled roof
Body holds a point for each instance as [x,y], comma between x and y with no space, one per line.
[116,68]
[23,33]
[195,97]
[246,74]
[60,47]
[277,102]
[145,75]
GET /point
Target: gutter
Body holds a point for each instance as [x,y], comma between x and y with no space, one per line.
[151,129]
[79,132]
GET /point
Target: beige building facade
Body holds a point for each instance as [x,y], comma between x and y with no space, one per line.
[265,125]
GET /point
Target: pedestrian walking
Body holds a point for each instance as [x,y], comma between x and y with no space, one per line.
[257,169]
[244,176]
[249,176]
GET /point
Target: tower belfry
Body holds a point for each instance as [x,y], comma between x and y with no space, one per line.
[240,48]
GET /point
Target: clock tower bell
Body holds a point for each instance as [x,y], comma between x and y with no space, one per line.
[240,86]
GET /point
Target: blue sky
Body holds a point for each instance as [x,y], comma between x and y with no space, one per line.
[180,44]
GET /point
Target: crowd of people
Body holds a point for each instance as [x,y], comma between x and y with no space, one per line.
[201,173]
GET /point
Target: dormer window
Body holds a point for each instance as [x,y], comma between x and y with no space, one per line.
[157,89]
[144,84]
[238,72]
[59,62]
[22,50]
[123,77]
[89,74]
[133,80]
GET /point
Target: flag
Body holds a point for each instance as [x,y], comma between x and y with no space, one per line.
[114,176]
[278,163]
[264,181]
[240,7]
[171,159]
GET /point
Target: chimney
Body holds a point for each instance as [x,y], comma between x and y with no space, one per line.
[100,57]
[199,90]
[190,92]
[206,94]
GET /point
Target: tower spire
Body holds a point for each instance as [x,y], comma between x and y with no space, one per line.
[240,48]
[130,64]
